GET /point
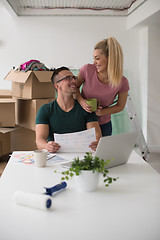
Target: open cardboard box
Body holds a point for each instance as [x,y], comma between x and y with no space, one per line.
[31,84]
[27,111]
[5,140]
[7,112]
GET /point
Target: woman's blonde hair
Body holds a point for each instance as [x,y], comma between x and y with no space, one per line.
[113,51]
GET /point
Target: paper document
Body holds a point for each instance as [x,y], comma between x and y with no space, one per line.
[75,142]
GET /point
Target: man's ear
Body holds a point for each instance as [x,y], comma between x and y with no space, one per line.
[56,86]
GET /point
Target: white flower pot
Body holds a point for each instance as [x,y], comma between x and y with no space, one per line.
[87,181]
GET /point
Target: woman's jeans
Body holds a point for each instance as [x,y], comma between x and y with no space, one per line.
[106,129]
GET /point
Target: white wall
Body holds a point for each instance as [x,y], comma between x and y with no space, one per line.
[146,10]
[153,123]
[55,41]
[143,75]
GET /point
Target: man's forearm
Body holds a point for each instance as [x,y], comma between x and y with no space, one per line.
[95,125]
[50,146]
[41,143]
[98,132]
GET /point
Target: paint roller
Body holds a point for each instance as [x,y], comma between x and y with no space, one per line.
[39,201]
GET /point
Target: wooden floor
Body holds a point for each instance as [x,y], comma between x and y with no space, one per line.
[153,159]
[3,162]
[2,167]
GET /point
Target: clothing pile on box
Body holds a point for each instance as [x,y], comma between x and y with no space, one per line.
[33,65]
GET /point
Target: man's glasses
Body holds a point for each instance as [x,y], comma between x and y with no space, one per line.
[67,78]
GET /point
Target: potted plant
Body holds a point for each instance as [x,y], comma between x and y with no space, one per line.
[87,172]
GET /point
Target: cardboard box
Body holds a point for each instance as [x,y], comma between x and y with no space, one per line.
[16,139]
[27,111]
[31,84]
[4,143]
[7,112]
[23,139]
[5,140]
[5,93]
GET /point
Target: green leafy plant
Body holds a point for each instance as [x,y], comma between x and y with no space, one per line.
[89,163]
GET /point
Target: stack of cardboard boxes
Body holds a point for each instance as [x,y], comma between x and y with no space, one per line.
[7,119]
[18,109]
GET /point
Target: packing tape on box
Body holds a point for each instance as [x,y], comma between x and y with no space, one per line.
[32,200]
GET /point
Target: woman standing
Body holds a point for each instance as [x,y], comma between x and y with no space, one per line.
[104,81]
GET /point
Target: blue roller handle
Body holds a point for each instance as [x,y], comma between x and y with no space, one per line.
[50,191]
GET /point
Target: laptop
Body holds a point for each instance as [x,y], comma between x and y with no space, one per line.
[116,148]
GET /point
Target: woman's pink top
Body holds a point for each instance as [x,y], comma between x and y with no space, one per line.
[93,88]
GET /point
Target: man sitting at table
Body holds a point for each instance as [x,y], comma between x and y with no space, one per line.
[63,115]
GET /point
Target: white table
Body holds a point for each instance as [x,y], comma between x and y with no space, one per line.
[129,209]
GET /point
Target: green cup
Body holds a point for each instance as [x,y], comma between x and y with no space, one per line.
[93,103]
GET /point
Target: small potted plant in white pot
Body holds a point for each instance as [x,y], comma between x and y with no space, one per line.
[87,172]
